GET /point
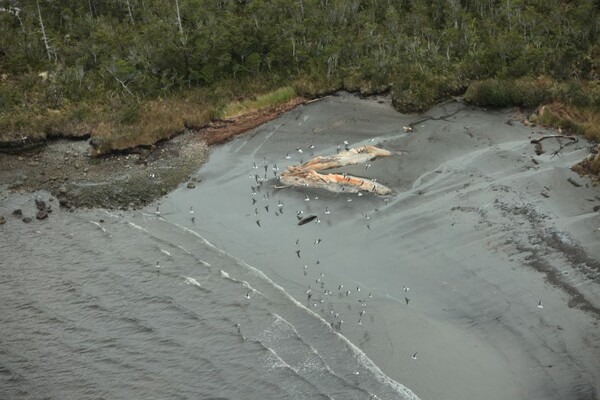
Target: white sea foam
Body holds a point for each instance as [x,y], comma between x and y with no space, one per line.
[192,281]
[165,252]
[139,228]
[365,361]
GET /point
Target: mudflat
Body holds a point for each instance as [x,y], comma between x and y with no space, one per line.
[483,264]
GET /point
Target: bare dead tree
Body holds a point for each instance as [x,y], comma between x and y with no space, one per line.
[129,12]
[179,26]
[44,37]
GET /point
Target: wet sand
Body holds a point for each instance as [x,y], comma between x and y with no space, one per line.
[478,230]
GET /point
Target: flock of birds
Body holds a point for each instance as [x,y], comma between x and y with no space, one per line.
[319,292]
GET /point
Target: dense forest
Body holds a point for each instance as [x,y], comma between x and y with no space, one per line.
[114,67]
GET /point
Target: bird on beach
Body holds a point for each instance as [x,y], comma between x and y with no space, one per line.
[248,295]
[255,166]
[406,289]
[258,222]
[306,198]
[157,266]
[414,356]
[540,305]
[191,209]
[287,156]
[327,211]
[317,241]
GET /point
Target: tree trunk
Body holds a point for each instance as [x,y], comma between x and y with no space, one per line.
[129,12]
[44,37]
[179,26]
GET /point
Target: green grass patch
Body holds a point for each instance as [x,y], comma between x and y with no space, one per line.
[270,99]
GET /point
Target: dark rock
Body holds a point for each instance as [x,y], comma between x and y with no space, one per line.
[64,203]
[191,185]
[27,220]
[42,214]
[2,220]
[101,221]
[17,213]
[48,209]
[40,204]
[596,208]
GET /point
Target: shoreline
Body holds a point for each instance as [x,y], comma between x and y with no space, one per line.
[473,315]
[126,179]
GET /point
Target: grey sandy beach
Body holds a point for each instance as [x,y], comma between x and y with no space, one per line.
[480,230]
[477,279]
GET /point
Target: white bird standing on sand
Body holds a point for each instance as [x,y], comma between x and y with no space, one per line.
[327,211]
[191,209]
[414,356]
[540,305]
[306,198]
[248,295]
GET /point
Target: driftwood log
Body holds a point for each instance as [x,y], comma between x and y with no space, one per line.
[307,175]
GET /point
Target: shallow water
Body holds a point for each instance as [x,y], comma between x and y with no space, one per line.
[85,312]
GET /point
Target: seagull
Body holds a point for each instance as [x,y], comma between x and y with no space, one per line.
[362,312]
[306,198]
[347,293]
[248,295]
[157,266]
[406,289]
[358,289]
[360,321]
[255,166]
[157,210]
[287,156]
[312,146]
[317,241]
[327,211]
[540,305]
[367,216]
[360,194]
[349,199]
[367,166]
[340,287]
[299,149]
[317,221]
[414,356]
[346,142]
[238,327]
[279,203]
